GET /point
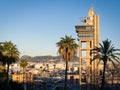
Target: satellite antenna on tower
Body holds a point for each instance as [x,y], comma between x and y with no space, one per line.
[93,5]
[83,19]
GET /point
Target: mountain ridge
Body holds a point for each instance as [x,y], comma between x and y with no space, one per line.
[47,58]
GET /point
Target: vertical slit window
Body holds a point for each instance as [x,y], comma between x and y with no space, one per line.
[90,44]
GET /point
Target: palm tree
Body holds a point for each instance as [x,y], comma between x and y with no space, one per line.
[23,64]
[67,49]
[9,54]
[106,53]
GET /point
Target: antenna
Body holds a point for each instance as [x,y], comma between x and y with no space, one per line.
[83,19]
[92,5]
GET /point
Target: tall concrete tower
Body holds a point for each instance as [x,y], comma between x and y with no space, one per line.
[88,37]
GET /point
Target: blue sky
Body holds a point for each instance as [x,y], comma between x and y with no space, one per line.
[36,25]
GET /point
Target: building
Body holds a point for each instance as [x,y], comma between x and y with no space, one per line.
[27,77]
[88,37]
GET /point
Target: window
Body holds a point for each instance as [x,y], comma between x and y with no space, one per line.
[89,27]
[83,78]
[83,71]
[83,52]
[83,61]
[83,43]
[82,27]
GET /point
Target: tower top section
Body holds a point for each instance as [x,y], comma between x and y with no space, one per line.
[90,26]
[89,19]
[91,12]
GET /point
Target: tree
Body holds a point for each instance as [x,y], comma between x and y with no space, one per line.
[23,64]
[67,49]
[15,86]
[8,55]
[2,78]
[106,53]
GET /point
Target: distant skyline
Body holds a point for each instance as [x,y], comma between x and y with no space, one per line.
[36,25]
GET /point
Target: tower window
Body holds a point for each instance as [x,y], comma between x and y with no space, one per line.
[83,43]
[83,61]
[83,52]
[83,71]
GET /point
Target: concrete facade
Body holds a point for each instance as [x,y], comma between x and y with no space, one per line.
[88,37]
[28,77]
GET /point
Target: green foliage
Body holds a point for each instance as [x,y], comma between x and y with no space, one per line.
[59,88]
[2,78]
[15,86]
[23,64]
[106,53]
[11,85]
[8,55]
[2,75]
[67,47]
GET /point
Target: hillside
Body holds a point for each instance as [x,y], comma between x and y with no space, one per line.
[46,58]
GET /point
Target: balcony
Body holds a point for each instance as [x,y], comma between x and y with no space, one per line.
[85,31]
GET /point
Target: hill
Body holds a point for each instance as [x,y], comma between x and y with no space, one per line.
[47,58]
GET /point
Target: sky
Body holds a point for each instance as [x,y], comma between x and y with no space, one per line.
[36,25]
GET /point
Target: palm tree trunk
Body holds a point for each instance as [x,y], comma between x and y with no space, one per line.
[103,76]
[6,88]
[23,76]
[112,78]
[65,87]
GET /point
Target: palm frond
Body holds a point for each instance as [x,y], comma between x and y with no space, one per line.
[98,62]
[106,52]
[113,63]
[98,56]
[67,47]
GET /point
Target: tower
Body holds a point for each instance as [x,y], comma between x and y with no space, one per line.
[88,37]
